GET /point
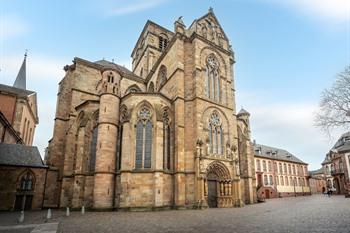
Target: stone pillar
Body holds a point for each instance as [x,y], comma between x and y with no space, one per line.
[106,150]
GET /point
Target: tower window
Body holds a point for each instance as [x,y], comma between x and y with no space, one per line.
[163,42]
[110,78]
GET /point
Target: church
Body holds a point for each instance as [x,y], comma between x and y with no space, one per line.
[165,135]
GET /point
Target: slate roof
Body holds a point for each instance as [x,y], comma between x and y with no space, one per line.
[20,81]
[20,155]
[343,143]
[16,91]
[275,153]
[243,112]
[108,64]
[318,171]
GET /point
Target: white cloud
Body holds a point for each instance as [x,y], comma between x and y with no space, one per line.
[130,7]
[12,26]
[288,126]
[337,11]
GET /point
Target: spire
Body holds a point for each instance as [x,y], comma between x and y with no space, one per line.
[21,76]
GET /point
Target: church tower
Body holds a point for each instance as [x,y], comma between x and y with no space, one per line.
[106,141]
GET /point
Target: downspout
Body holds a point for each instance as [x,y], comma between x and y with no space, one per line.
[44,192]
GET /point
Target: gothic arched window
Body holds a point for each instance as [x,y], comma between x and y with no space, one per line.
[27,182]
[166,140]
[144,139]
[212,78]
[162,77]
[216,134]
[93,148]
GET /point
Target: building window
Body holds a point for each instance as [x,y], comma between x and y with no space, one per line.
[271,180]
[144,139]
[27,182]
[266,182]
[93,148]
[212,86]
[286,179]
[110,78]
[284,168]
[216,134]
[163,42]
[162,77]
[280,168]
[289,169]
[275,167]
[264,165]
[294,170]
[269,168]
[258,168]
[166,140]
[277,180]
[282,181]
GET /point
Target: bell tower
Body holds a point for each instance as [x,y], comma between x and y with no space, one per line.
[106,140]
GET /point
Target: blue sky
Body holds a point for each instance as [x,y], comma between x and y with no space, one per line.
[287,52]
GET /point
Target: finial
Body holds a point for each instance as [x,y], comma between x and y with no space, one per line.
[211,9]
[26,54]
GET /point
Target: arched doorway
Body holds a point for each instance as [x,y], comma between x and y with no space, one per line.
[218,186]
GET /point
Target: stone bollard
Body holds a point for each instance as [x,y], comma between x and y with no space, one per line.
[67,212]
[49,215]
[21,217]
[83,210]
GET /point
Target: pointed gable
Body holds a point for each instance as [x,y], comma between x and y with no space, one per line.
[209,27]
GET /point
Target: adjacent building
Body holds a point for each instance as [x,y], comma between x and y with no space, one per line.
[22,171]
[165,134]
[279,173]
[338,163]
[317,181]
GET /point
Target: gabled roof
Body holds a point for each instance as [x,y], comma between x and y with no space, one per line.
[211,13]
[20,155]
[275,153]
[149,22]
[16,91]
[343,143]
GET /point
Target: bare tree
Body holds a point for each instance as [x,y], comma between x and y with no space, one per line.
[335,104]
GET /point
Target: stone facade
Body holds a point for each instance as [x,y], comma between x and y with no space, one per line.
[279,173]
[19,106]
[164,135]
[15,194]
[338,163]
[317,181]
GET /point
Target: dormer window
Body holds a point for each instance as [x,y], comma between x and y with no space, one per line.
[163,42]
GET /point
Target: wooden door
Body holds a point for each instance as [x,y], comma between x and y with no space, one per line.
[212,194]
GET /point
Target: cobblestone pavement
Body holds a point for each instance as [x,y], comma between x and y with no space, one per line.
[302,214]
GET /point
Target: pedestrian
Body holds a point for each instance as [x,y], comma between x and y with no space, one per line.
[329,193]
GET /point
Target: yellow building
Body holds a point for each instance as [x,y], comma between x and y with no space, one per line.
[164,135]
[279,173]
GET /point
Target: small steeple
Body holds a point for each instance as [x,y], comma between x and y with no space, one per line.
[21,76]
